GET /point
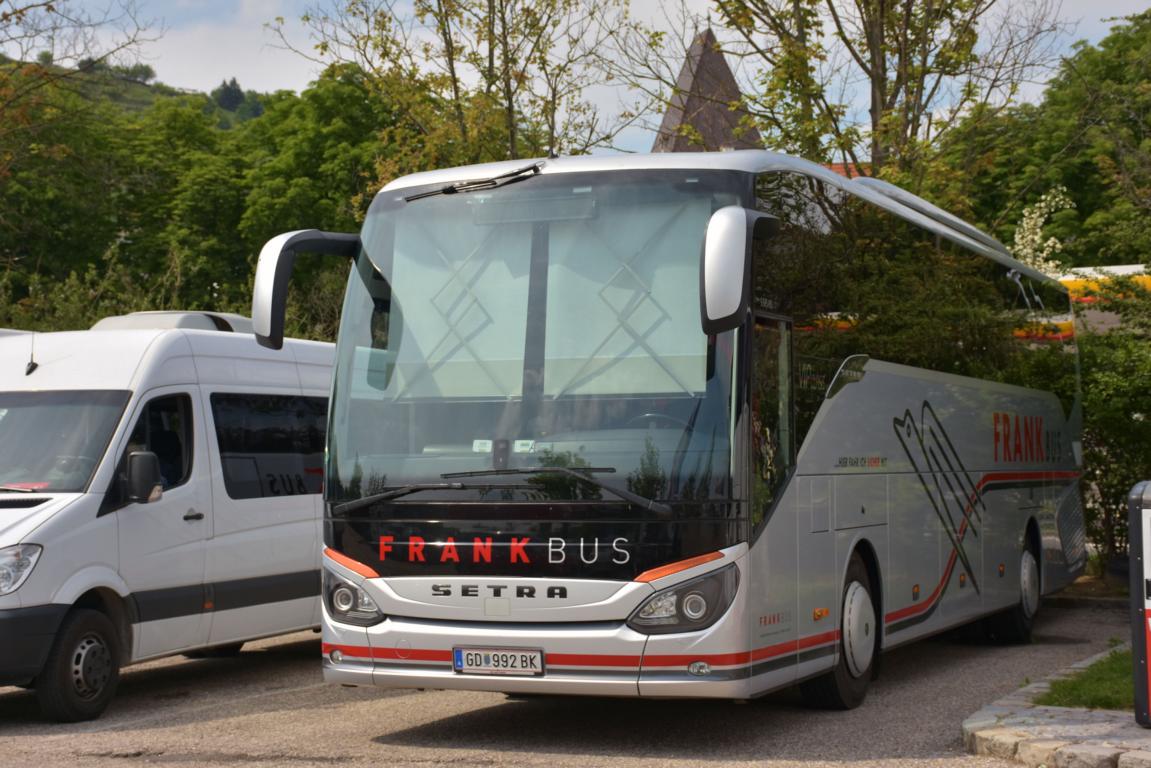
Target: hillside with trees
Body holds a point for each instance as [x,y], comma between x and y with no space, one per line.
[118,193]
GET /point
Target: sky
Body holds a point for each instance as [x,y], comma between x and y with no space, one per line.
[207,41]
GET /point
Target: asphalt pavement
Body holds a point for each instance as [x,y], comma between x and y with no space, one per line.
[269,706]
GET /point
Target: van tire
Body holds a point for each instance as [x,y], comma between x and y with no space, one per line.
[843,688]
[227,651]
[82,670]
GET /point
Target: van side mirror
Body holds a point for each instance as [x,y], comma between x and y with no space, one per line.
[725,267]
[274,270]
[144,481]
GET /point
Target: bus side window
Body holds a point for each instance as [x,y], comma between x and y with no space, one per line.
[771,433]
[270,445]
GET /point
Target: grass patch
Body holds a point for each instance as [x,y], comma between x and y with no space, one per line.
[1106,684]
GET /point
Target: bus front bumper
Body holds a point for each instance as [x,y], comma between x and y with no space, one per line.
[595,659]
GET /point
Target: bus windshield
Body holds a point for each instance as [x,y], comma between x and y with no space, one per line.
[53,441]
[549,323]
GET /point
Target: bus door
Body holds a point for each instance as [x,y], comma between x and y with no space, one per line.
[774,558]
[772,449]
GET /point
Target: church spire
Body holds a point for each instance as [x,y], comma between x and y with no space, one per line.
[702,101]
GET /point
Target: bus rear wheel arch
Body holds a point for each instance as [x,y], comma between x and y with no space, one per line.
[845,686]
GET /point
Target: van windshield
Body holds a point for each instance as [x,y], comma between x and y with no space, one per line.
[53,441]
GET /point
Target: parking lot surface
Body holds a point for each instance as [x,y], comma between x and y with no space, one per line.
[269,706]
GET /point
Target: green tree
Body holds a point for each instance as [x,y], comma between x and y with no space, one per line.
[1091,135]
[228,95]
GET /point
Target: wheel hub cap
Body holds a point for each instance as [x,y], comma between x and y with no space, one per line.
[91,666]
[1029,583]
[858,629]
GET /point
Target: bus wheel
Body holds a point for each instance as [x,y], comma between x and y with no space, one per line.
[845,686]
[82,670]
[1015,624]
[216,652]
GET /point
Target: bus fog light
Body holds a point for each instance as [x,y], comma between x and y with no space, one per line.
[705,599]
[699,668]
[336,657]
[343,599]
[695,606]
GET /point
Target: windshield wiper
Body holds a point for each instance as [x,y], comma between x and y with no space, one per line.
[477,184]
[16,489]
[404,490]
[578,473]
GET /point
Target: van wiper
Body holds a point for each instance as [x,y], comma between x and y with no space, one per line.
[503,179]
[404,490]
[16,489]
[580,473]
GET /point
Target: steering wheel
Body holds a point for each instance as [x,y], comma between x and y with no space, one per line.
[69,463]
[640,421]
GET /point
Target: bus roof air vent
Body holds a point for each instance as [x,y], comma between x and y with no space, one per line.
[202,321]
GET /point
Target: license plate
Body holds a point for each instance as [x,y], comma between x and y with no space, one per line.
[498,661]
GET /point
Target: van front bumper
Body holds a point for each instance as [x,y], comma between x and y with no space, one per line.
[26,636]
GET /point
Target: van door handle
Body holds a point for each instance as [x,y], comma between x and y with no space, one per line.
[192,514]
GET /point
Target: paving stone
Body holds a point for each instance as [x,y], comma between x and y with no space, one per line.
[1136,759]
[1087,756]
[998,742]
[971,726]
[1039,752]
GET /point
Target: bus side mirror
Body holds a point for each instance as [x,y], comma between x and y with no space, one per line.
[725,268]
[144,481]
[274,270]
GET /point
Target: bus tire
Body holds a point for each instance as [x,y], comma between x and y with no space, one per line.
[227,651]
[845,686]
[1015,624]
[83,667]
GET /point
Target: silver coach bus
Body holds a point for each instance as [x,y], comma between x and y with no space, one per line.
[693,425]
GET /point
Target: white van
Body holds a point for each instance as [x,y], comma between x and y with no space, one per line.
[160,480]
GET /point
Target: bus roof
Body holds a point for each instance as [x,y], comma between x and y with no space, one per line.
[893,199]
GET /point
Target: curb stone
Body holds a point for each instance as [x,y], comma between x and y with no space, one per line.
[1015,728]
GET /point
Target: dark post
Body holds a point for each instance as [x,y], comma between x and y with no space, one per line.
[1139,540]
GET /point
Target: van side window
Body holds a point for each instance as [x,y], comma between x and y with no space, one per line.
[270,445]
[165,429]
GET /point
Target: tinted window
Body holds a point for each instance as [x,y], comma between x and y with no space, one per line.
[270,445]
[165,428]
[857,280]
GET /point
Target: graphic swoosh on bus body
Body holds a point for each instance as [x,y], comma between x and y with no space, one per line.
[953,493]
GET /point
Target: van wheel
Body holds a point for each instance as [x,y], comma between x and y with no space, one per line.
[216,652]
[1015,624]
[845,686]
[80,676]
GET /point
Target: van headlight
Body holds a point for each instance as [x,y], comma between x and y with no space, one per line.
[687,607]
[348,603]
[16,563]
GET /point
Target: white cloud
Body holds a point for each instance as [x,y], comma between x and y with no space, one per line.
[199,54]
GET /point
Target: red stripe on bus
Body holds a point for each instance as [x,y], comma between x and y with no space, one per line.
[591,660]
[988,479]
[395,654]
[607,660]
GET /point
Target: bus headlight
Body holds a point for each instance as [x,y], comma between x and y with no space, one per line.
[348,603]
[687,607]
[16,563]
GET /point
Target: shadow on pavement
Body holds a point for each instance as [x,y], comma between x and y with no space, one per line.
[154,691]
